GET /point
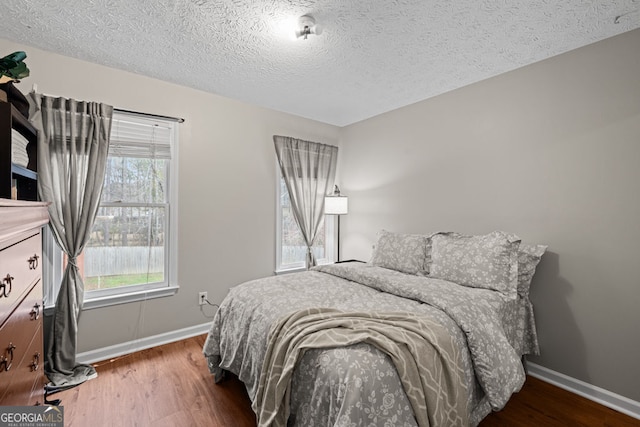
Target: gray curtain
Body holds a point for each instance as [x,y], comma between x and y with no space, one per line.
[309,171]
[73,142]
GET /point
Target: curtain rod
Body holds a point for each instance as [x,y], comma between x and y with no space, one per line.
[159,116]
[34,88]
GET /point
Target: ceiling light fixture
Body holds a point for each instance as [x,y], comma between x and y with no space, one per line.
[307,25]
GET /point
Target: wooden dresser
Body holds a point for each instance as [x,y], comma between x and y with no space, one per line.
[21,344]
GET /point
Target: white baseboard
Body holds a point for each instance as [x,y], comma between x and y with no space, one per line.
[117,350]
[591,392]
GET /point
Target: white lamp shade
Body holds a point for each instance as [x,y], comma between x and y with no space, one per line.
[336,205]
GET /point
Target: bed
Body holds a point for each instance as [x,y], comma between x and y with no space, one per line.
[430,331]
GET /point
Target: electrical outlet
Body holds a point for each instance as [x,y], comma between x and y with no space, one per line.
[202,298]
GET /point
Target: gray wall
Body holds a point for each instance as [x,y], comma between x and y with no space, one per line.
[551,152]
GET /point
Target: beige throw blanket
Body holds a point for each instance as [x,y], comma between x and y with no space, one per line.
[423,353]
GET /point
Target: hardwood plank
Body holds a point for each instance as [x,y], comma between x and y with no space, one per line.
[166,385]
[170,385]
[542,404]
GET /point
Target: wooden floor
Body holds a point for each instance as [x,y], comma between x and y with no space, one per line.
[171,386]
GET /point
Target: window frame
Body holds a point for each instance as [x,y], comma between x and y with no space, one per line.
[330,236]
[53,270]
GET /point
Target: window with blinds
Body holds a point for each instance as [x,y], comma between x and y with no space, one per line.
[130,244]
[132,250]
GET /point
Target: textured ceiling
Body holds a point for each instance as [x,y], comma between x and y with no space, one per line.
[373,55]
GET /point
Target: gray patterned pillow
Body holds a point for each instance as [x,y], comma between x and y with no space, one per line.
[406,253]
[528,258]
[489,261]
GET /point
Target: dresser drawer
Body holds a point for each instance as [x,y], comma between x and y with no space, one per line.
[25,385]
[21,327]
[20,342]
[20,267]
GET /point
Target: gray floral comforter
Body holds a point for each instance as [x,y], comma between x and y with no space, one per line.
[358,384]
[423,353]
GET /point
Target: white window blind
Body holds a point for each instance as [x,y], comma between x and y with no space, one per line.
[138,137]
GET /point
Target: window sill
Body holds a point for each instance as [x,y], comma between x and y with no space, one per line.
[90,304]
[289,270]
[299,269]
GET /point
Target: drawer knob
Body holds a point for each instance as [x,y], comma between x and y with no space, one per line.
[35,312]
[6,282]
[36,362]
[33,262]
[6,362]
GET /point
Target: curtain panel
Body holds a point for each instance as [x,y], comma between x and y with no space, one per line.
[309,170]
[73,142]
